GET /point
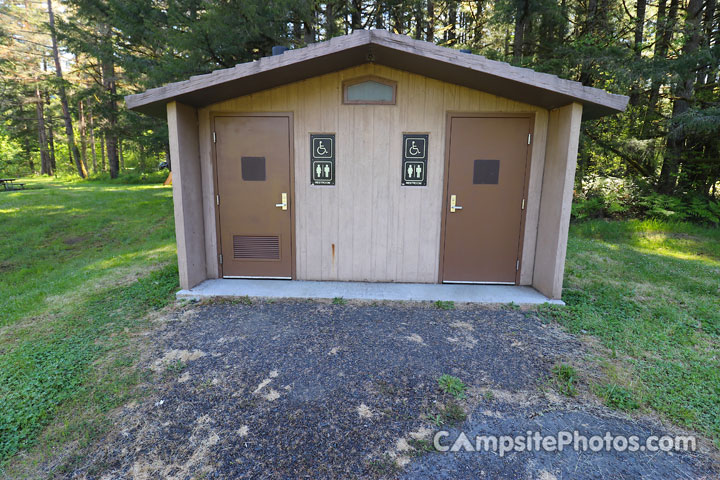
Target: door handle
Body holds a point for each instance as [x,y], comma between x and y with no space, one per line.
[282,205]
[453,204]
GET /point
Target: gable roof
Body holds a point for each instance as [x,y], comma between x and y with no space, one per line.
[384,48]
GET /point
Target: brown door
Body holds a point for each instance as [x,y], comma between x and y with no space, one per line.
[253,177]
[487,167]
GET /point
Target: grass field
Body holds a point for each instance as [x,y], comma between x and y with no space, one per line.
[82,263]
[650,293]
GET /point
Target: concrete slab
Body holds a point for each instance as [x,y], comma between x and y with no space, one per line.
[488,294]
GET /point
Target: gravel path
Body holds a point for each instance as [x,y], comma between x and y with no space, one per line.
[314,390]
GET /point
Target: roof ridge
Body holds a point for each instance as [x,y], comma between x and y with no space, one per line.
[484,59]
[393,50]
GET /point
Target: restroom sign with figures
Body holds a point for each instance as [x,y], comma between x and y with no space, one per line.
[414,162]
[322,159]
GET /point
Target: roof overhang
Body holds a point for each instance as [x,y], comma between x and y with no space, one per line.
[383,48]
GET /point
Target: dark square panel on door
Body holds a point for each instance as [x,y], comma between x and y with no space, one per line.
[486,172]
[253,169]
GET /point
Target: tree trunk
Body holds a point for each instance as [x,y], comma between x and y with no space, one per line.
[595,23]
[506,43]
[92,144]
[663,35]
[522,19]
[49,124]
[73,152]
[684,90]
[380,15]
[379,20]
[108,79]
[639,27]
[45,166]
[141,159]
[308,33]
[330,26]
[452,22]
[102,151]
[51,144]
[637,46]
[122,157]
[398,18]
[430,27]
[356,15]
[83,134]
[703,76]
[28,151]
[419,21]
[478,24]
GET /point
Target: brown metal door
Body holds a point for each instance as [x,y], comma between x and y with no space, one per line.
[486,179]
[253,177]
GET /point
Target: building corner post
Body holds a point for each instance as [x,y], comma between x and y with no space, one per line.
[187,193]
[556,199]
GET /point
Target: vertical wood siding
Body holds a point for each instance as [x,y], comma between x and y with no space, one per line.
[380,230]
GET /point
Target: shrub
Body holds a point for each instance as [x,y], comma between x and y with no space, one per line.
[691,207]
[131,177]
[586,208]
[604,197]
[618,199]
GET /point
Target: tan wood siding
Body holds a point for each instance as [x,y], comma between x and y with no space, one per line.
[208,181]
[557,190]
[187,193]
[380,230]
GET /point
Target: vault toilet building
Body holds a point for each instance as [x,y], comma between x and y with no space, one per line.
[375,158]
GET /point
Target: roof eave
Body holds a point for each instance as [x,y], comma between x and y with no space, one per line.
[388,49]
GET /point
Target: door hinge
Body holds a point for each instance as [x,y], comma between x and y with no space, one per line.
[517,265]
[529,138]
[215,138]
[522,207]
[220,258]
[217,199]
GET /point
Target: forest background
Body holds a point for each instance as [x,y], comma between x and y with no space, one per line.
[65,66]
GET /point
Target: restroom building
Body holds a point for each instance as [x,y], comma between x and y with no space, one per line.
[373,157]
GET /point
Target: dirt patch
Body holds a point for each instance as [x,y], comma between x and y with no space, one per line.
[73,240]
[174,355]
[414,337]
[364,411]
[60,303]
[201,441]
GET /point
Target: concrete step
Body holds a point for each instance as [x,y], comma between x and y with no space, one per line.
[483,294]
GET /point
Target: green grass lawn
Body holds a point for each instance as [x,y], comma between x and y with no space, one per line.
[650,293]
[81,263]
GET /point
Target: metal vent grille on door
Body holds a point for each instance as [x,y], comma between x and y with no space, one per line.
[256,247]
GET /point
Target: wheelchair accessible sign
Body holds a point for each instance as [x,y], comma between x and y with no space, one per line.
[414,162]
[322,159]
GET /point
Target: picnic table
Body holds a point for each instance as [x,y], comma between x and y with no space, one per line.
[9,184]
